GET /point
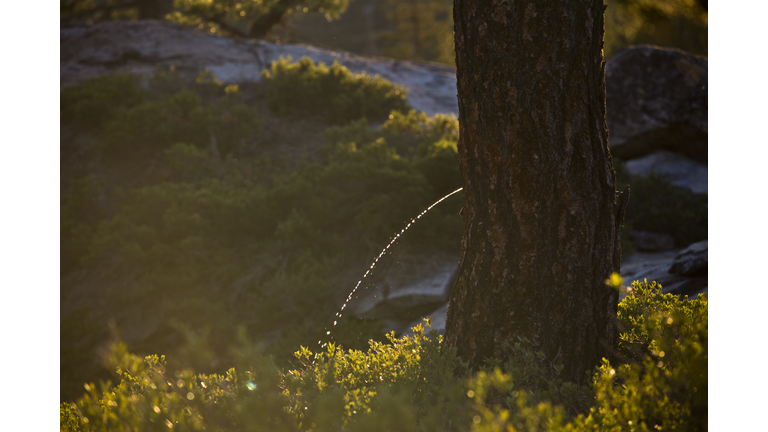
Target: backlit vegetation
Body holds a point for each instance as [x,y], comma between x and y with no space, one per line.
[237,259]
[658,206]
[334,92]
[416,384]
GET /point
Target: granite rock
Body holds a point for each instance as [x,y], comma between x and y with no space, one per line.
[656,99]
[692,261]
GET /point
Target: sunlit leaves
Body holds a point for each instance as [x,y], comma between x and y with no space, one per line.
[415,383]
[334,92]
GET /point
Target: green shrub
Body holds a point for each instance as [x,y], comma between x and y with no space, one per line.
[658,206]
[150,127]
[332,92]
[664,384]
[429,142]
[94,101]
[415,383]
[164,82]
[134,123]
[80,214]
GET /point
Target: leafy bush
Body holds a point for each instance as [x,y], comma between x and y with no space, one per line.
[333,92]
[430,142]
[416,384]
[133,123]
[658,206]
[664,383]
[153,126]
[80,214]
[94,101]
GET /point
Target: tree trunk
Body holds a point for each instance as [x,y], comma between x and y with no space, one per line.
[541,232]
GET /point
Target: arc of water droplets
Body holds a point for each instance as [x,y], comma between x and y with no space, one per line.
[383,252]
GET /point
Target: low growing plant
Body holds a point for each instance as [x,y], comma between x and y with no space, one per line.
[416,384]
[91,103]
[332,92]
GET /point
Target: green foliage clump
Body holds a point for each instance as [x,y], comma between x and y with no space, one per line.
[80,214]
[663,384]
[429,141]
[406,384]
[417,384]
[133,123]
[149,397]
[252,18]
[333,92]
[153,126]
[659,206]
[420,30]
[92,102]
[246,18]
[680,24]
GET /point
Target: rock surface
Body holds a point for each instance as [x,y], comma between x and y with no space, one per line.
[657,266]
[693,260]
[414,287]
[657,100]
[139,47]
[675,168]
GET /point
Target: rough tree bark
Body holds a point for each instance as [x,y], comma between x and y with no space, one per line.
[541,231]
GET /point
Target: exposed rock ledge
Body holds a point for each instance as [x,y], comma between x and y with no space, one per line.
[139,47]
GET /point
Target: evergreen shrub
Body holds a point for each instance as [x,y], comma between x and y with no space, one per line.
[151,127]
[90,103]
[135,123]
[659,206]
[333,92]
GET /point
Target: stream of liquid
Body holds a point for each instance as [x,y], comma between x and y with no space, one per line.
[383,252]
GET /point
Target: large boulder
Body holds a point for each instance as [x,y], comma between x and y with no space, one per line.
[693,260]
[657,100]
[139,47]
